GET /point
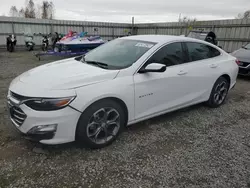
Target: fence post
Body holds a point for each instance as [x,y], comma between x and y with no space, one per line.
[13,28]
[113,32]
[181,29]
[213,28]
[83,28]
[135,31]
[133,24]
[156,30]
[51,28]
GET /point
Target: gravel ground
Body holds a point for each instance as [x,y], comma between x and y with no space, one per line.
[194,147]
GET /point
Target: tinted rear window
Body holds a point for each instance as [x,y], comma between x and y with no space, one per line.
[199,51]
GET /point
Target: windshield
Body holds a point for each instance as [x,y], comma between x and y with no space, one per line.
[119,53]
[247,46]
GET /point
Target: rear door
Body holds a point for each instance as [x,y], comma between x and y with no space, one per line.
[203,69]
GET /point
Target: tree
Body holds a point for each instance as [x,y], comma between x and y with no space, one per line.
[189,22]
[21,13]
[13,11]
[30,11]
[38,11]
[245,15]
[47,10]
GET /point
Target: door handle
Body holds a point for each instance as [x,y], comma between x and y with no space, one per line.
[213,66]
[182,72]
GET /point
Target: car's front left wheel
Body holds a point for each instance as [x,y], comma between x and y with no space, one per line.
[100,124]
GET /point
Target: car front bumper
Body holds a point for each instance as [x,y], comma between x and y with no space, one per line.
[47,127]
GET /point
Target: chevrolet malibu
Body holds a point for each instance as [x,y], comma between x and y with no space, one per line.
[92,98]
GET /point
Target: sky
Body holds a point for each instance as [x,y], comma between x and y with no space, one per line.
[144,11]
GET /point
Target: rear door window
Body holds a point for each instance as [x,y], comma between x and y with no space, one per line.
[199,51]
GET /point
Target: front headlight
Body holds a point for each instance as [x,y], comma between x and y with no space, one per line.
[49,104]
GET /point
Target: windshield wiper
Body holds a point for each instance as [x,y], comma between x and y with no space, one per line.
[99,64]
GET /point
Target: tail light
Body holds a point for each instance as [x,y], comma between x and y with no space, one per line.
[237,62]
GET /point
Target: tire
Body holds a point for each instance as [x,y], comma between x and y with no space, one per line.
[11,47]
[8,47]
[94,121]
[43,47]
[30,48]
[219,93]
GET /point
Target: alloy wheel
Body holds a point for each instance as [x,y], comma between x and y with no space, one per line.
[103,125]
[220,92]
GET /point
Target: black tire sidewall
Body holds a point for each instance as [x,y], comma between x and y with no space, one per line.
[81,130]
[11,48]
[211,101]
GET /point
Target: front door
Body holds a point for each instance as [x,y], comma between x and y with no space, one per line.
[156,92]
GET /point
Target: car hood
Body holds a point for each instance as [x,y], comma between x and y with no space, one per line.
[242,54]
[65,74]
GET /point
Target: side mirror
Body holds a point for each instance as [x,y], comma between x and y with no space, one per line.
[154,67]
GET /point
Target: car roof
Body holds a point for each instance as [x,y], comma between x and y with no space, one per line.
[161,38]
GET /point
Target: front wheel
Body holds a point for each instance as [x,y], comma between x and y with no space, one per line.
[219,93]
[100,124]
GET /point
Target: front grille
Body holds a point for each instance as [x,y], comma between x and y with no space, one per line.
[244,64]
[16,114]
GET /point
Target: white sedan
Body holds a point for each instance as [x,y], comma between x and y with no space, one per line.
[91,99]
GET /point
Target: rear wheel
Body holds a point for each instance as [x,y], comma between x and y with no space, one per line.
[100,124]
[30,48]
[11,47]
[219,93]
[43,47]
